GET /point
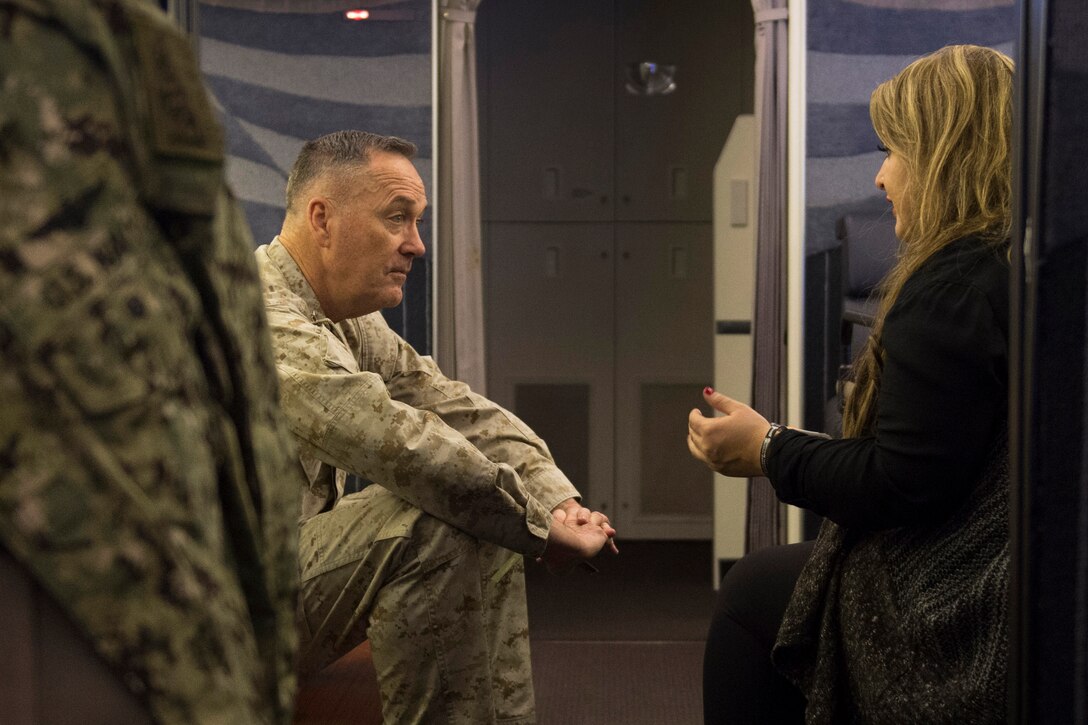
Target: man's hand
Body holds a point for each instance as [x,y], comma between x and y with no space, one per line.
[581,515]
[576,534]
[730,443]
[576,511]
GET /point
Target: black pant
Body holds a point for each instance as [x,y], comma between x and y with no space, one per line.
[740,685]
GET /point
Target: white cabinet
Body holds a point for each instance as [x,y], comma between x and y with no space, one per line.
[598,237]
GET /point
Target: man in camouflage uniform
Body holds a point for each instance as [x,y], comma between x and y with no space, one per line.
[147,480]
[427,561]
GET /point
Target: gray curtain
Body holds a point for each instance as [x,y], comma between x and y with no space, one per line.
[186,14]
[460,314]
[766,524]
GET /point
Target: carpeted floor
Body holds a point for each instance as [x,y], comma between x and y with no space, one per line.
[624,645]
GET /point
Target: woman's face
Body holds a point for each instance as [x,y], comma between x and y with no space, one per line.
[892,180]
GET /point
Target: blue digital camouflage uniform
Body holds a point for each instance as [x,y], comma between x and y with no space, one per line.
[146,480]
[427,563]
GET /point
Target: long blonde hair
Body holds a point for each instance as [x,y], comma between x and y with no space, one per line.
[948,116]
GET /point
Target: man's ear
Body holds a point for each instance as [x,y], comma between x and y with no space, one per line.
[318,212]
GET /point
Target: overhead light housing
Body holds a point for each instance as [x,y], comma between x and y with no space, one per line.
[357,14]
[650,79]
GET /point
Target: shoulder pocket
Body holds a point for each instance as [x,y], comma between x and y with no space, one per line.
[184,138]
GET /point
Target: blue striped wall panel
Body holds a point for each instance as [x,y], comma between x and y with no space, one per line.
[853,45]
[279,79]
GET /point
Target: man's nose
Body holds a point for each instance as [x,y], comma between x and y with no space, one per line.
[414,245]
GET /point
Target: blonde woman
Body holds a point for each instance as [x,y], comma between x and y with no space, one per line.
[896,613]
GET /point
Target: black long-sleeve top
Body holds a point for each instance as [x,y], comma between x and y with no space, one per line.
[942,401]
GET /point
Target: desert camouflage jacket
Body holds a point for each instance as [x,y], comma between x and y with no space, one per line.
[146,479]
[361,400]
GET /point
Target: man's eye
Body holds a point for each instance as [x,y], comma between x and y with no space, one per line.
[397,218]
[419,221]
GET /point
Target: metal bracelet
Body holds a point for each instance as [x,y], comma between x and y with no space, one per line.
[774,430]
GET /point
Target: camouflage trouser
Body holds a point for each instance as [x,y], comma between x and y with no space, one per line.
[444,612]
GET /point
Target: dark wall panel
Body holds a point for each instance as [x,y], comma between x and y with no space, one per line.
[1050,454]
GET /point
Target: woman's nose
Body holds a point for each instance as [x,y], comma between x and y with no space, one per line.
[879,179]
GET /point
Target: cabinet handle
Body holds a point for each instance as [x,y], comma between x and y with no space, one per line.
[551,182]
[678,182]
[679,262]
[551,262]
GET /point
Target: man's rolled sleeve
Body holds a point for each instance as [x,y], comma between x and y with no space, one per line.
[550,486]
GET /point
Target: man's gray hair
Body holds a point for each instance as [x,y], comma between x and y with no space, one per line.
[338,150]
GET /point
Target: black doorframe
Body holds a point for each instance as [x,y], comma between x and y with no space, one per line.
[1049,499]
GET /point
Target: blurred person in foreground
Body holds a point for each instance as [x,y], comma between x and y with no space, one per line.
[147,489]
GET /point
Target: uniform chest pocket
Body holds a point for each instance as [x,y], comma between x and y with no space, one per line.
[119,344]
[337,355]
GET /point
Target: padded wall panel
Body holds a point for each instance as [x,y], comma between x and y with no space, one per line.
[559,413]
[671,481]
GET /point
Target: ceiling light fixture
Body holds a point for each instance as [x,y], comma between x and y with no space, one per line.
[650,79]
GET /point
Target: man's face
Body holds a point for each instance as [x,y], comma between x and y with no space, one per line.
[374,234]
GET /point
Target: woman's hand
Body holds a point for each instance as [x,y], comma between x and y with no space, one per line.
[729,443]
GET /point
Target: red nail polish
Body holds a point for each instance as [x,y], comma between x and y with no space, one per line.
[708,390]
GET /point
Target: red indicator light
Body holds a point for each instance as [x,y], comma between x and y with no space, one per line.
[357,14]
